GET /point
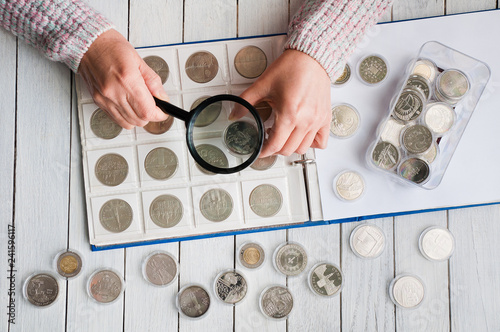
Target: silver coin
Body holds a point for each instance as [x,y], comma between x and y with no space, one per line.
[290,259]
[230,287]
[409,106]
[209,114]
[345,121]
[160,269]
[261,164]
[42,289]
[367,241]
[69,264]
[105,286]
[161,163]
[372,69]
[251,255]
[213,156]
[166,211]
[391,132]
[326,279]
[250,62]
[436,243]
[417,139]
[385,155]
[276,302]
[103,126]
[349,185]
[407,291]
[439,117]
[415,170]
[241,138]
[344,78]
[159,66]
[202,67]
[216,205]
[425,68]
[431,154]
[116,215]
[417,82]
[193,301]
[452,84]
[161,127]
[265,200]
[111,169]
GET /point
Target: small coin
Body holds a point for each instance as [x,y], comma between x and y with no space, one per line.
[105,286]
[385,155]
[417,139]
[425,68]
[69,264]
[367,241]
[42,289]
[407,291]
[166,211]
[391,132]
[241,138]
[414,169]
[250,62]
[452,84]
[116,215]
[439,117]
[251,255]
[290,259]
[111,169]
[276,302]
[264,110]
[437,243]
[261,164]
[193,301]
[345,121]
[216,205]
[373,69]
[161,163]
[103,126]
[349,185]
[265,200]
[431,154]
[345,77]
[213,156]
[230,287]
[417,82]
[209,114]
[158,128]
[326,279]
[202,67]
[159,66]
[160,269]
[409,105]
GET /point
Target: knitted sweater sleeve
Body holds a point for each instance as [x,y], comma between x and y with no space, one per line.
[62,30]
[328,30]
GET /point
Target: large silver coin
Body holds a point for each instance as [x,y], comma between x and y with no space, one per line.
[276,302]
[111,169]
[158,128]
[344,78]
[159,66]
[166,211]
[349,185]
[419,83]
[230,287]
[209,114]
[202,67]
[241,138]
[436,243]
[265,200]
[391,132]
[372,69]
[161,163]
[160,269]
[415,170]
[103,126]
[452,84]
[261,164]
[326,279]
[407,291]
[216,205]
[69,264]
[425,68]
[367,241]
[251,255]
[250,62]
[213,156]
[385,155]
[345,121]
[417,139]
[409,105]
[193,301]
[42,289]
[116,215]
[439,117]
[290,259]
[105,286]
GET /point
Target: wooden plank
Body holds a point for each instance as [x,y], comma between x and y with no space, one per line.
[272,17]
[206,20]
[116,12]
[464,6]
[407,9]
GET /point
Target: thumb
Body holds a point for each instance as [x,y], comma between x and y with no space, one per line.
[153,83]
[252,95]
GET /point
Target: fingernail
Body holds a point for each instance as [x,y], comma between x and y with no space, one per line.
[164,95]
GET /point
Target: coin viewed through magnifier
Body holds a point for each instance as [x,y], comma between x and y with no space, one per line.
[240,140]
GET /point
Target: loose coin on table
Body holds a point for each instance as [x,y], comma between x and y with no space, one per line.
[212,155]
[372,69]
[407,291]
[160,268]
[202,67]
[367,241]
[161,127]
[116,215]
[345,121]
[261,164]
[345,77]
[385,155]
[349,185]
[417,139]
[241,138]
[68,264]
[230,287]
[103,126]
[326,279]
[439,117]
[105,286]
[193,301]
[265,200]
[415,170]
[161,163]
[216,205]
[41,289]
[209,114]
[159,66]
[251,255]
[410,105]
[250,62]
[436,243]
[166,211]
[290,259]
[276,302]
[111,169]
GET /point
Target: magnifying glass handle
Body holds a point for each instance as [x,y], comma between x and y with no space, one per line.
[172,110]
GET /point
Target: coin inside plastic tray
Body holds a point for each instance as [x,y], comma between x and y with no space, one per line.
[428,115]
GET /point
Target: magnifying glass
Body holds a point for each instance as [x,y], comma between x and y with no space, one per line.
[218,144]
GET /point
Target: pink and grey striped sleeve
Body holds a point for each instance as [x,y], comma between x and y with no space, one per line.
[328,30]
[62,30]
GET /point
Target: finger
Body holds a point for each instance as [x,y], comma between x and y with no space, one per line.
[293,142]
[112,112]
[321,139]
[252,95]
[278,136]
[153,84]
[143,107]
[306,142]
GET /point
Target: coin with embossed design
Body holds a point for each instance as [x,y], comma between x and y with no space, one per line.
[216,205]
[230,287]
[418,82]
[367,241]
[326,279]
[265,200]
[436,243]
[373,69]
[290,259]
[251,255]
[241,138]
[409,106]
[345,121]
[425,68]
[161,163]
[160,268]
[276,302]
[209,114]
[439,117]
[250,62]
[385,155]
[193,301]
[105,286]
[111,169]
[407,291]
[116,215]
[41,289]
[103,126]
[166,211]
[452,85]
[414,169]
[159,66]
[349,185]
[69,264]
[417,139]
[344,78]
[261,164]
[161,127]
[213,156]
[202,67]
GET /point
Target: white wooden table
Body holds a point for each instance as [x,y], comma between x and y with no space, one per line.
[42,196]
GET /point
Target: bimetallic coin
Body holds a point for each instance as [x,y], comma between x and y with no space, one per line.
[202,67]
[436,243]
[265,200]
[69,264]
[349,185]
[250,62]
[261,164]
[409,105]
[166,211]
[276,302]
[345,121]
[419,83]
[425,68]
[159,66]
[326,279]
[345,77]
[193,301]
[160,268]
[241,138]
[209,114]
[373,69]
[111,169]
[385,155]
[431,154]
[290,259]
[216,205]
[103,126]
[264,110]
[161,163]
[41,289]
[230,287]
[251,255]
[407,291]
[417,139]
[158,128]
[391,132]
[116,215]
[367,241]
[415,170]
[105,286]
[439,117]
[452,84]
[213,156]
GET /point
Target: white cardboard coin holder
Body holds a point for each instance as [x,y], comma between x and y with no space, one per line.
[232,49]
[173,82]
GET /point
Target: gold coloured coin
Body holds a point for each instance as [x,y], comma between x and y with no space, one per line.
[158,128]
